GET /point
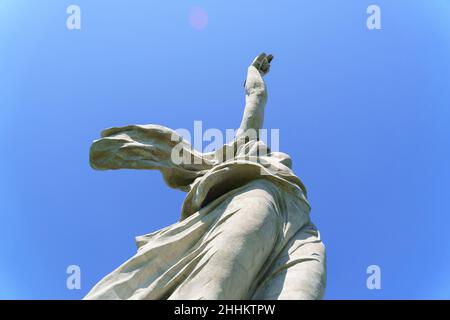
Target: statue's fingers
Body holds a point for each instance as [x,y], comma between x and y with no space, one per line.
[265,65]
[261,56]
[269,58]
[259,60]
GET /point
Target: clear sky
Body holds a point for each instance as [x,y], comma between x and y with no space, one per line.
[363,113]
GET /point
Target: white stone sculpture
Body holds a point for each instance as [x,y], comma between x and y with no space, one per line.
[245,230]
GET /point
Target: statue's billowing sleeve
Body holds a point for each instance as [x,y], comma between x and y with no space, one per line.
[148,147]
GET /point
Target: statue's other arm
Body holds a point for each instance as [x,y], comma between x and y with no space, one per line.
[255,94]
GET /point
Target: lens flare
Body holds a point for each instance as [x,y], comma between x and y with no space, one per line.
[198,18]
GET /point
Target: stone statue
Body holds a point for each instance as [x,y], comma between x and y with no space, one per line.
[245,230]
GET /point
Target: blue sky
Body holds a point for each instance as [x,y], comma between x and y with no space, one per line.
[364,115]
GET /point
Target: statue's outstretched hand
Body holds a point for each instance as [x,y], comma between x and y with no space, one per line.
[262,63]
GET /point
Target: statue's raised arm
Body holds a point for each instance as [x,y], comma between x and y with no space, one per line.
[255,94]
